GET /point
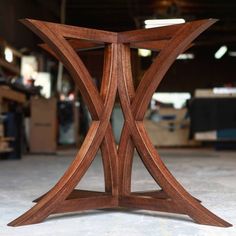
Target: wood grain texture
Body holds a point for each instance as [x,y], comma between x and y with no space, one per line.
[149,203]
[117,78]
[75,32]
[155,194]
[78,45]
[100,112]
[151,45]
[88,203]
[78,193]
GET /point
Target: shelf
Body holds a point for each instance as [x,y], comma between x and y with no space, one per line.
[7,93]
[6,139]
[6,150]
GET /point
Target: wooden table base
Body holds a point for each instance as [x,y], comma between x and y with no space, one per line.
[63,41]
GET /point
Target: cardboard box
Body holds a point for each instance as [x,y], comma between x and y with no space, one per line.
[170,133]
[3,145]
[43,125]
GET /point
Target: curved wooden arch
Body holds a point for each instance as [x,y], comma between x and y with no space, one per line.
[100,108]
[171,41]
[152,78]
[179,200]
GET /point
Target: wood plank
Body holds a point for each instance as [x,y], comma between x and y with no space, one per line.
[149,203]
[152,45]
[74,32]
[78,45]
[81,204]
[155,45]
[153,34]
[155,194]
[83,44]
[79,193]
[7,93]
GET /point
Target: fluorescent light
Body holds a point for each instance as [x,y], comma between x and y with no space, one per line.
[177,99]
[224,90]
[221,52]
[232,54]
[144,52]
[152,23]
[185,56]
[29,67]
[8,55]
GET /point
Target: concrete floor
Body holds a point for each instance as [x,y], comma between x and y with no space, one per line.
[207,174]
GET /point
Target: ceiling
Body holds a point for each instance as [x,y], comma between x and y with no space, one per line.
[121,15]
[117,15]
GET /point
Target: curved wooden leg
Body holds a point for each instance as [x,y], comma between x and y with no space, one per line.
[67,183]
[169,184]
[126,147]
[177,199]
[108,146]
[58,198]
[110,163]
[125,153]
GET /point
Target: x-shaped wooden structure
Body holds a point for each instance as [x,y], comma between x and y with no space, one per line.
[63,41]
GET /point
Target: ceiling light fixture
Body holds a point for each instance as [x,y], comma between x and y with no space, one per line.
[224,90]
[152,23]
[144,52]
[8,55]
[221,52]
[185,56]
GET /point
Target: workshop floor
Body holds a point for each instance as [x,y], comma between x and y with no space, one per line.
[207,174]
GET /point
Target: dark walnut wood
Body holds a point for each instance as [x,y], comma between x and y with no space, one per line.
[63,41]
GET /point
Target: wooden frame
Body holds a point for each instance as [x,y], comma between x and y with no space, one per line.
[117,77]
